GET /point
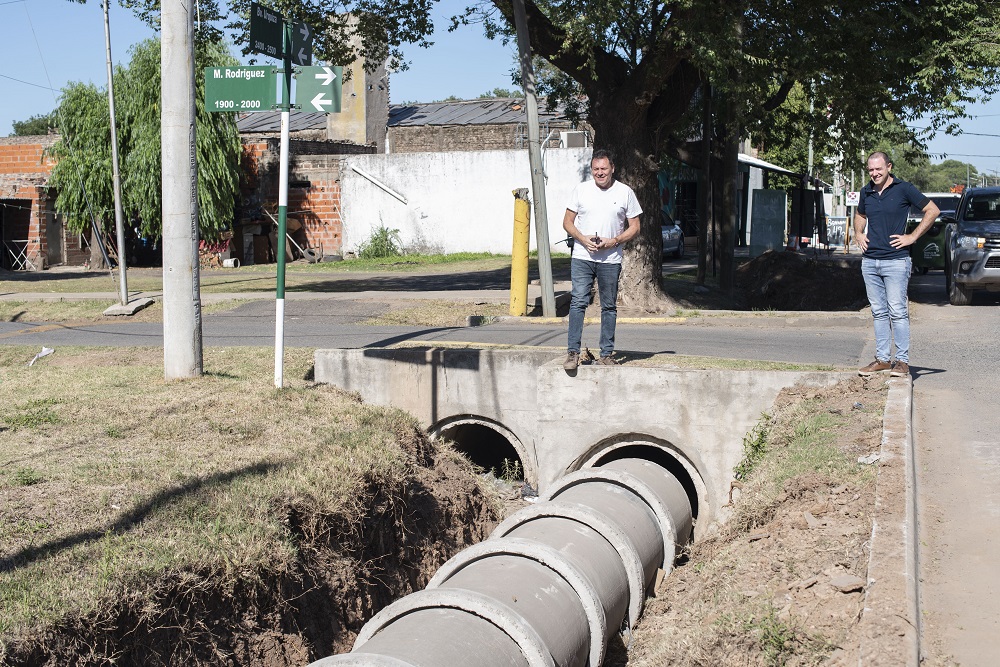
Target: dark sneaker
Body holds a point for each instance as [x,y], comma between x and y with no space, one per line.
[607,361]
[874,367]
[587,357]
[572,361]
[900,369]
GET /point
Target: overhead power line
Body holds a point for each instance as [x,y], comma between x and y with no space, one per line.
[27,83]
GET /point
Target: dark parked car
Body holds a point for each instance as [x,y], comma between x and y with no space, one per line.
[673,237]
[928,251]
[972,245]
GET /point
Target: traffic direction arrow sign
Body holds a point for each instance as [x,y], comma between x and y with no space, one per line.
[267,29]
[240,89]
[302,44]
[319,88]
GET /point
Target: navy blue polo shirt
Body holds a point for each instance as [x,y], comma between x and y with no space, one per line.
[886,215]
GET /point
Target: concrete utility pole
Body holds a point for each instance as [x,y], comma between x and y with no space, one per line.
[116,177]
[535,161]
[182,348]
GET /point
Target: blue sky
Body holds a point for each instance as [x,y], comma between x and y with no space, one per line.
[58,41]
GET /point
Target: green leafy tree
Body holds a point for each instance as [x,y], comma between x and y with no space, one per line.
[644,68]
[83,175]
[40,124]
[501,92]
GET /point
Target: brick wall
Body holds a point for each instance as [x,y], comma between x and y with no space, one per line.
[27,201]
[444,138]
[26,155]
[313,192]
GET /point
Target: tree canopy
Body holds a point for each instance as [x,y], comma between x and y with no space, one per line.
[40,124]
[83,175]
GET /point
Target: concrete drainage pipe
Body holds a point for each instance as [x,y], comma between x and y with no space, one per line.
[550,586]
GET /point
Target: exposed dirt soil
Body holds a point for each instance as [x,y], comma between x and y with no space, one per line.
[783,582]
[349,567]
[792,281]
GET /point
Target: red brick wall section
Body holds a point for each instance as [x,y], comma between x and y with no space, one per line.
[26,155]
[316,207]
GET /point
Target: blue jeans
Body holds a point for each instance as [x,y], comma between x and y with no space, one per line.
[583,272]
[886,281]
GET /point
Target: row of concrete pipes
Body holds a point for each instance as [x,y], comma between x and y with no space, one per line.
[552,584]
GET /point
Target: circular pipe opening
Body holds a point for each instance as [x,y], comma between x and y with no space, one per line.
[661,458]
[486,446]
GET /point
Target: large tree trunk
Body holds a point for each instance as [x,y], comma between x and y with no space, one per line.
[730,209]
[705,208]
[97,262]
[620,126]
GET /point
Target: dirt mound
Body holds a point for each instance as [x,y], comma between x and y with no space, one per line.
[791,281]
[345,568]
[783,583]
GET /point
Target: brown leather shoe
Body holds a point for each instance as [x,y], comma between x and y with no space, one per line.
[607,361]
[572,361]
[874,367]
[900,369]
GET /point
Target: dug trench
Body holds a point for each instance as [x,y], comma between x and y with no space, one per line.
[781,583]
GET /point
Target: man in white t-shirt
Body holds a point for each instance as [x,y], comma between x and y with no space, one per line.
[602,215]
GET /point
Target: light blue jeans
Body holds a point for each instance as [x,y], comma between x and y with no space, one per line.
[583,272]
[887,281]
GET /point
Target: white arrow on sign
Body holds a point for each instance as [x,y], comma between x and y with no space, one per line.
[328,75]
[302,55]
[304,31]
[320,100]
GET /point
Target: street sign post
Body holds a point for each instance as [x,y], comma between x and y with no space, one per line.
[266,30]
[240,89]
[302,44]
[319,88]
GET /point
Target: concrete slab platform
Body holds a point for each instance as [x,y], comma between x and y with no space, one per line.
[131,308]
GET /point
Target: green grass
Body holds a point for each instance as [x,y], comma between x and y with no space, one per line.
[113,476]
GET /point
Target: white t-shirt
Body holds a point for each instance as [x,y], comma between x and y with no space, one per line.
[605,213]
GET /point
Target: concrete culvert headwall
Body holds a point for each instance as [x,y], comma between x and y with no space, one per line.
[551,586]
[489,445]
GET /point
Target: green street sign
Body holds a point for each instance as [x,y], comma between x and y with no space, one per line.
[302,44]
[267,29]
[318,88]
[240,89]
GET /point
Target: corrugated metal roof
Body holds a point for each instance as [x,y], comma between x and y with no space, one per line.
[264,122]
[499,111]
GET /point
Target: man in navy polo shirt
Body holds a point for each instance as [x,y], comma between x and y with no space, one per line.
[886,264]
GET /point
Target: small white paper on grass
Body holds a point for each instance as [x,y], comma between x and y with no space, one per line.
[46,351]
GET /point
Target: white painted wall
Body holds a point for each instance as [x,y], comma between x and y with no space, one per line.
[455,201]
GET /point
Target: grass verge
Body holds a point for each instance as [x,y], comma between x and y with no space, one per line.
[768,588]
[124,497]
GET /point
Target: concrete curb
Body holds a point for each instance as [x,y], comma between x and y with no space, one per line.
[890,622]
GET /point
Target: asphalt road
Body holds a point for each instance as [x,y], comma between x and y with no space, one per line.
[835,339]
[957,443]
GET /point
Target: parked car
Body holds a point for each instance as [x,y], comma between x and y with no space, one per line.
[928,251]
[673,237]
[972,245]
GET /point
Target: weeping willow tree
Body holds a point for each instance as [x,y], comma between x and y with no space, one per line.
[83,176]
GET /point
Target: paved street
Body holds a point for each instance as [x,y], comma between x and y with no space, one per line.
[835,339]
[956,427]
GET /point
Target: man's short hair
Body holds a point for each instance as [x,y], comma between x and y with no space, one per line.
[601,154]
[884,156]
